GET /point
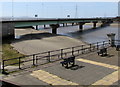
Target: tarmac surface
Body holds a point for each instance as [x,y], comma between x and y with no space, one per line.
[89,69]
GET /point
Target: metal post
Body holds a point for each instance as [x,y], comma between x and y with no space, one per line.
[97,46]
[44,26]
[19,63]
[3,70]
[82,49]
[72,51]
[90,46]
[48,56]
[61,53]
[36,60]
[33,59]
[103,43]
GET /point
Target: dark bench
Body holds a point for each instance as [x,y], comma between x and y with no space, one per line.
[102,51]
[68,61]
[117,47]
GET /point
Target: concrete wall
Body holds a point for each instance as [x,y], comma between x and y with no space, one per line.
[7,29]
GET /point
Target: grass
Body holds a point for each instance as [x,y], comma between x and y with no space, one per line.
[9,53]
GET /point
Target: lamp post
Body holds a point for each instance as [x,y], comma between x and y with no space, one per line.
[37,19]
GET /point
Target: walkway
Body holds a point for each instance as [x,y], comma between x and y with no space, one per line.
[90,69]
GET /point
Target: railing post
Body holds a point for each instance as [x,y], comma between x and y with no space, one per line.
[82,49]
[109,41]
[33,59]
[19,63]
[72,51]
[90,46]
[61,53]
[103,43]
[3,64]
[97,46]
[48,56]
[36,60]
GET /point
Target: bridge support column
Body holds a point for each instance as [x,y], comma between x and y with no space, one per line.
[66,24]
[103,24]
[94,25]
[44,26]
[54,28]
[7,31]
[36,27]
[81,26]
[72,24]
[63,25]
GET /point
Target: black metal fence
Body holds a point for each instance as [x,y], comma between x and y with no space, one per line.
[50,56]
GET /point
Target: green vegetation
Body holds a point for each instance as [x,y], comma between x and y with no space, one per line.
[9,53]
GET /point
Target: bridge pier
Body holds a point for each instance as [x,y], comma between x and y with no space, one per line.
[66,24]
[81,26]
[103,24]
[44,26]
[36,27]
[7,30]
[94,25]
[63,24]
[72,24]
[54,28]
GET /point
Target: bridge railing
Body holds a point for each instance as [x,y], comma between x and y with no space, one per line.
[50,56]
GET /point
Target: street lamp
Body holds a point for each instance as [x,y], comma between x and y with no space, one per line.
[36,15]
[68,16]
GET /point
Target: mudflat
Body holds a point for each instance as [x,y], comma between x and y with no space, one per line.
[33,41]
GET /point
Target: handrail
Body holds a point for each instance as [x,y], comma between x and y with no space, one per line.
[60,53]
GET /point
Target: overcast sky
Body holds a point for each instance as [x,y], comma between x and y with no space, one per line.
[59,9]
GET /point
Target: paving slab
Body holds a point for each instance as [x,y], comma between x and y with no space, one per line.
[26,79]
[84,76]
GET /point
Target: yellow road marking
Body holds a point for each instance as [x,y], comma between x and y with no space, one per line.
[99,64]
[50,78]
[108,80]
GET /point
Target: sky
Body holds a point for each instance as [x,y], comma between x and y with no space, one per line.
[58,9]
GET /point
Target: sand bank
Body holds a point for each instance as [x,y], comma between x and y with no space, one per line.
[33,41]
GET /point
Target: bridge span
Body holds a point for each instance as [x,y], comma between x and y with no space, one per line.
[9,25]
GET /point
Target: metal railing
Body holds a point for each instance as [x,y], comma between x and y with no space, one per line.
[51,56]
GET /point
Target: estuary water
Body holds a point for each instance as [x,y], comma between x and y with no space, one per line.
[89,35]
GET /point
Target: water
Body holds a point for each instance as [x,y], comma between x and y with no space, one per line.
[88,35]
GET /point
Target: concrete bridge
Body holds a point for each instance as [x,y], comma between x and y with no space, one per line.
[9,25]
